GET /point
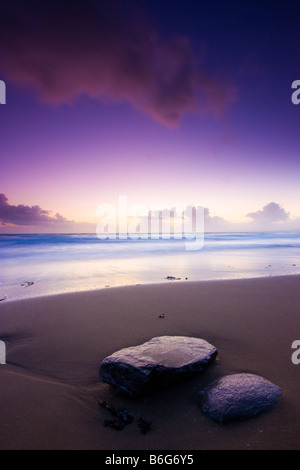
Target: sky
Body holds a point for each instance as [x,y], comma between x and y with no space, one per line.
[164,102]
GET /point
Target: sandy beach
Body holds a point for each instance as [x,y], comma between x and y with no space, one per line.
[50,385]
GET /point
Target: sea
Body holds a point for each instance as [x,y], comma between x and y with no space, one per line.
[46,264]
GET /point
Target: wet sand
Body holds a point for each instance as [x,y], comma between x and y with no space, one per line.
[50,387]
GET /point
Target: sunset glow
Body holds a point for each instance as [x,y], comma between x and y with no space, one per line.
[181,102]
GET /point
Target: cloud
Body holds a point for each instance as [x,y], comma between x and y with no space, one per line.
[107,51]
[23,218]
[272,212]
[26,215]
[33,219]
[216,223]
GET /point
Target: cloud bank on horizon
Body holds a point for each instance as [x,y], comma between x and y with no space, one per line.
[22,218]
[272,213]
[65,50]
[29,219]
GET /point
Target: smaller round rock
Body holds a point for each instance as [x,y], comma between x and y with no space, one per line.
[238,397]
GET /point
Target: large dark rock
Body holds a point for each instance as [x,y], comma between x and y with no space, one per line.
[160,361]
[238,397]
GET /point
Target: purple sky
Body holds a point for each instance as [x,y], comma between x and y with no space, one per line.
[162,101]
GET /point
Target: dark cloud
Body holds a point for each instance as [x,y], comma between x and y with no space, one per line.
[32,219]
[26,215]
[272,212]
[105,50]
